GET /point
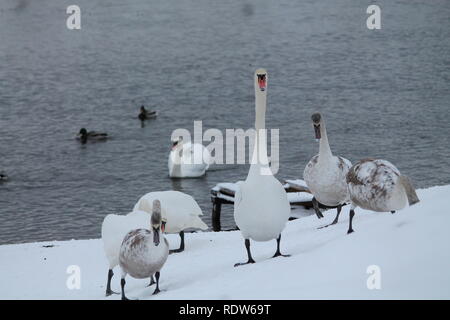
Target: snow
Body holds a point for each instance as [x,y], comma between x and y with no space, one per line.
[226,185]
[292,196]
[297,182]
[299,197]
[411,248]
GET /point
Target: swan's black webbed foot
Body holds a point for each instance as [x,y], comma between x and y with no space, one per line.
[110,292]
[157,283]
[278,252]
[244,263]
[316,208]
[250,259]
[181,248]
[152,282]
[352,214]
[108,284]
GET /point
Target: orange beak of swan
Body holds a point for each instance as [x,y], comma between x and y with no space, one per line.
[262,82]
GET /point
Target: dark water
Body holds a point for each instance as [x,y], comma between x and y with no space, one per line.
[384,93]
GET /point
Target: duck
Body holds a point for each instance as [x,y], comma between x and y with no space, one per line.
[188,160]
[179,210]
[144,252]
[114,229]
[85,135]
[377,185]
[325,174]
[261,207]
[3,177]
[145,115]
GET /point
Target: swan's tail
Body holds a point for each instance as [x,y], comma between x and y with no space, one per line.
[198,223]
[409,189]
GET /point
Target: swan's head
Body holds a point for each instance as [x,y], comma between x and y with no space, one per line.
[156,221]
[317,121]
[261,80]
[177,142]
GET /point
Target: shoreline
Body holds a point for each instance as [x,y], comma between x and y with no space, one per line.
[325,263]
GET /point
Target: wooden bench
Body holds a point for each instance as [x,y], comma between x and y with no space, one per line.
[223,193]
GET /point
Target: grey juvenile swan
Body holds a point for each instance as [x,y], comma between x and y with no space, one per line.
[377,185]
[144,252]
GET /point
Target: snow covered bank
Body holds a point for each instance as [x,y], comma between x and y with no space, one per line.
[411,247]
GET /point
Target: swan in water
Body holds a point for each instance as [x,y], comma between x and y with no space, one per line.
[144,251]
[85,135]
[325,173]
[187,160]
[261,207]
[179,209]
[377,185]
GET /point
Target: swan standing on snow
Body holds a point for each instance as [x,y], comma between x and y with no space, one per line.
[143,252]
[261,207]
[179,209]
[325,173]
[114,229]
[377,185]
[187,160]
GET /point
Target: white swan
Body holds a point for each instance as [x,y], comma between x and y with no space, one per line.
[325,173]
[261,207]
[187,160]
[114,229]
[179,209]
[377,185]
[143,252]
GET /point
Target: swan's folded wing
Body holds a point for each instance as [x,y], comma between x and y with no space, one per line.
[197,222]
[238,194]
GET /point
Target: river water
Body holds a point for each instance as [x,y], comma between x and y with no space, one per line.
[384,93]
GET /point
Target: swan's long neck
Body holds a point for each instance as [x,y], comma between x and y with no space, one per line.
[178,154]
[260,110]
[324,146]
[259,157]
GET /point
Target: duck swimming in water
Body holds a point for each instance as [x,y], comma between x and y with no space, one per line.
[85,135]
[3,177]
[145,115]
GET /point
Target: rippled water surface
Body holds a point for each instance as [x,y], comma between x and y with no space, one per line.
[384,93]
